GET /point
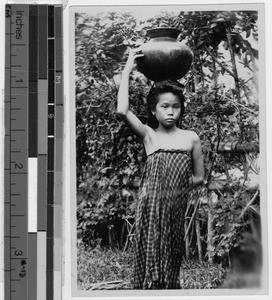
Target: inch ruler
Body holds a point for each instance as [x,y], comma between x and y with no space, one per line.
[33,152]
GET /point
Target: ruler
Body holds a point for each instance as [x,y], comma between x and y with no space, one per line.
[33,152]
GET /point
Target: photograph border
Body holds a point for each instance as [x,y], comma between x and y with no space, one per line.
[263,179]
[68,284]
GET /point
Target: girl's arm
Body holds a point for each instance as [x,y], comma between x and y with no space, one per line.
[123,98]
[198,164]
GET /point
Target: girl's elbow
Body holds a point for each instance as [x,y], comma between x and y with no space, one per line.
[201,180]
[198,180]
[121,112]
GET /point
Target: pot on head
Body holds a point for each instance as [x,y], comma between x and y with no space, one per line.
[164,57]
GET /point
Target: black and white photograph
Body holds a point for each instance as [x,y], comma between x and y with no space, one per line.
[135,153]
[168,148]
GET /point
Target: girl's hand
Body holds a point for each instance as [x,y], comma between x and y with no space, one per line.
[133,54]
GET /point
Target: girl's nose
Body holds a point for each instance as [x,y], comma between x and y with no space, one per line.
[170,111]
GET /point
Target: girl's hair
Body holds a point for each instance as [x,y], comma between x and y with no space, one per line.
[166,86]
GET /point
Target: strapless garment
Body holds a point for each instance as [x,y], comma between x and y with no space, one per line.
[159,221]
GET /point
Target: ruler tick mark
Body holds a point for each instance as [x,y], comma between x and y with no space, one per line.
[18,44]
[15,173]
[19,87]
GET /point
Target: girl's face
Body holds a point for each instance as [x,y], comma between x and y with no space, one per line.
[168,109]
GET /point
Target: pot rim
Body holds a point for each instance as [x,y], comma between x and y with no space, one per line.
[163,32]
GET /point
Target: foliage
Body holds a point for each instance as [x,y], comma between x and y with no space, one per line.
[221,106]
[109,156]
[229,228]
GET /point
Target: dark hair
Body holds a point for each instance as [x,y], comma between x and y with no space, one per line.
[160,87]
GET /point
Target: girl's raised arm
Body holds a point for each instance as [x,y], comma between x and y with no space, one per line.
[123,97]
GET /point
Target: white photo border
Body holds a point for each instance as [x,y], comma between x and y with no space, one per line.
[71,169]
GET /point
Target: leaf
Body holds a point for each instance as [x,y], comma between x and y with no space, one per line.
[248,33]
[213,25]
[200,43]
[232,118]
[80,26]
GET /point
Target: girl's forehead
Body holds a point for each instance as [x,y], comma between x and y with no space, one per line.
[168,97]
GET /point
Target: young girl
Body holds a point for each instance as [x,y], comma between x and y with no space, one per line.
[174,165]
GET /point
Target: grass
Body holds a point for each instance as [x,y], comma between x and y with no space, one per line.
[100,268]
[104,269]
[201,275]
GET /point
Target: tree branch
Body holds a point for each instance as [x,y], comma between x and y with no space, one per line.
[248,205]
[220,64]
[232,56]
[192,218]
[238,147]
[250,110]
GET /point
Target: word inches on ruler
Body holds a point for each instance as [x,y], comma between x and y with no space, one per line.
[19,25]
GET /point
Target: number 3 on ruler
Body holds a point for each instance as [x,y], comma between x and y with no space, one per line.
[58,79]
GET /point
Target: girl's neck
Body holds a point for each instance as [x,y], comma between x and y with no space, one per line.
[166,130]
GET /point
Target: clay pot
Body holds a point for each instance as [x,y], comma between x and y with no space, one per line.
[164,57]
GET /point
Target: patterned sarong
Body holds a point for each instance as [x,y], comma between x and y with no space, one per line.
[159,230]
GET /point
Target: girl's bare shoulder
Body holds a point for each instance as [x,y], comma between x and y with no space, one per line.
[189,134]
